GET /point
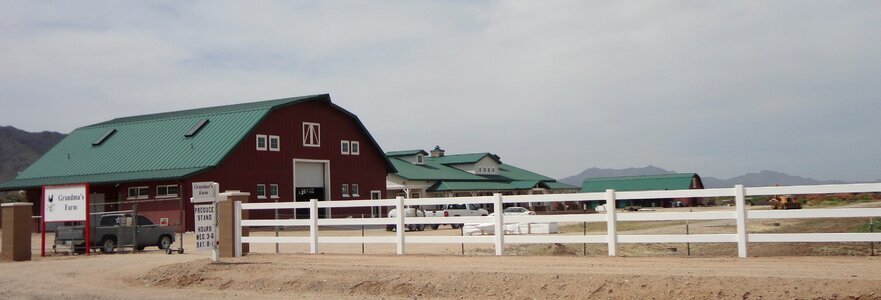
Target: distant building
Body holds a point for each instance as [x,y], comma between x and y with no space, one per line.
[421,174]
[684,181]
[284,150]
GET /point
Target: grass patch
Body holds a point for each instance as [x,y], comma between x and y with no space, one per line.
[823,225]
[832,200]
[868,226]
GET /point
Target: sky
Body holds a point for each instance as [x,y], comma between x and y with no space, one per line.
[720,88]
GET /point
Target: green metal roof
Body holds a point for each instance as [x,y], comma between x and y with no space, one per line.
[452,179]
[445,186]
[555,185]
[515,173]
[430,170]
[405,153]
[260,105]
[469,158]
[102,178]
[638,183]
[448,186]
[153,146]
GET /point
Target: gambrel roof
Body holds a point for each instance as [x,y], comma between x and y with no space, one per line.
[161,146]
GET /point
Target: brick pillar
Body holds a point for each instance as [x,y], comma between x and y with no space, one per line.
[16,231]
[226,224]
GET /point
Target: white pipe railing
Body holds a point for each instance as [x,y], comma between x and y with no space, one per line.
[741,216]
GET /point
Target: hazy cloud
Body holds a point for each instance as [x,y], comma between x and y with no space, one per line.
[718,88]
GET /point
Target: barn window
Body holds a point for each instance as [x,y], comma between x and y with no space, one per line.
[165,191]
[261,142]
[420,159]
[261,191]
[344,147]
[138,192]
[356,148]
[345,190]
[355,190]
[273,191]
[274,143]
[311,134]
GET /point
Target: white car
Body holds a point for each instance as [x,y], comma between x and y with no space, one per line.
[516,211]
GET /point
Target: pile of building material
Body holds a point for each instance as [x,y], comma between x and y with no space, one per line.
[511,228]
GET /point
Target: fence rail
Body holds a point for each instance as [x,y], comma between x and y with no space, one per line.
[741,215]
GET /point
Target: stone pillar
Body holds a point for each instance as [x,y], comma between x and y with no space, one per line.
[226,223]
[16,231]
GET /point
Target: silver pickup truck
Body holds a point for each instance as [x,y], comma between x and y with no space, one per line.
[116,230]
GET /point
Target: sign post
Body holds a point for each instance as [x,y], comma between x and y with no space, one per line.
[205,214]
[65,203]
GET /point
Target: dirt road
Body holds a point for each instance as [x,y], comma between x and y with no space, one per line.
[154,275]
[440,272]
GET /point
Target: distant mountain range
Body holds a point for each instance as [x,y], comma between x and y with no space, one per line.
[18,149]
[763,178]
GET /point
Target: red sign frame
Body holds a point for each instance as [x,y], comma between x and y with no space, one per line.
[86,229]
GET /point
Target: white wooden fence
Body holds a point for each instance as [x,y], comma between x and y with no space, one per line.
[611,218]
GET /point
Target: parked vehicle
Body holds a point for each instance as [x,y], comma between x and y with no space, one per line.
[116,229]
[785,202]
[517,211]
[408,213]
[456,210]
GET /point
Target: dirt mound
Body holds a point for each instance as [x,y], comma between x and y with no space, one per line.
[506,277]
[282,278]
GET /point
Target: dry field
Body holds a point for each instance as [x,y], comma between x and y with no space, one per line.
[803,271]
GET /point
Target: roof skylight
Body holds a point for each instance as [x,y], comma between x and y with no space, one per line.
[104,137]
[195,129]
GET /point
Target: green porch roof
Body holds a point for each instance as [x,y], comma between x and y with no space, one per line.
[448,186]
[639,183]
[153,146]
[445,186]
[555,185]
[103,178]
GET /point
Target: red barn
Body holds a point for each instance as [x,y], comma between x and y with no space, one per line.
[292,149]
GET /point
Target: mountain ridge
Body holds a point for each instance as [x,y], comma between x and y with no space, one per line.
[19,149]
[761,178]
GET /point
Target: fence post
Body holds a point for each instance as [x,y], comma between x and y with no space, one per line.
[237,228]
[399,227]
[500,223]
[611,221]
[313,226]
[740,204]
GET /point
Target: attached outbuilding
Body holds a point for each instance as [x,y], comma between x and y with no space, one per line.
[421,174]
[292,149]
[683,181]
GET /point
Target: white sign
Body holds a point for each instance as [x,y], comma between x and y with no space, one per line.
[206,226]
[204,192]
[64,203]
